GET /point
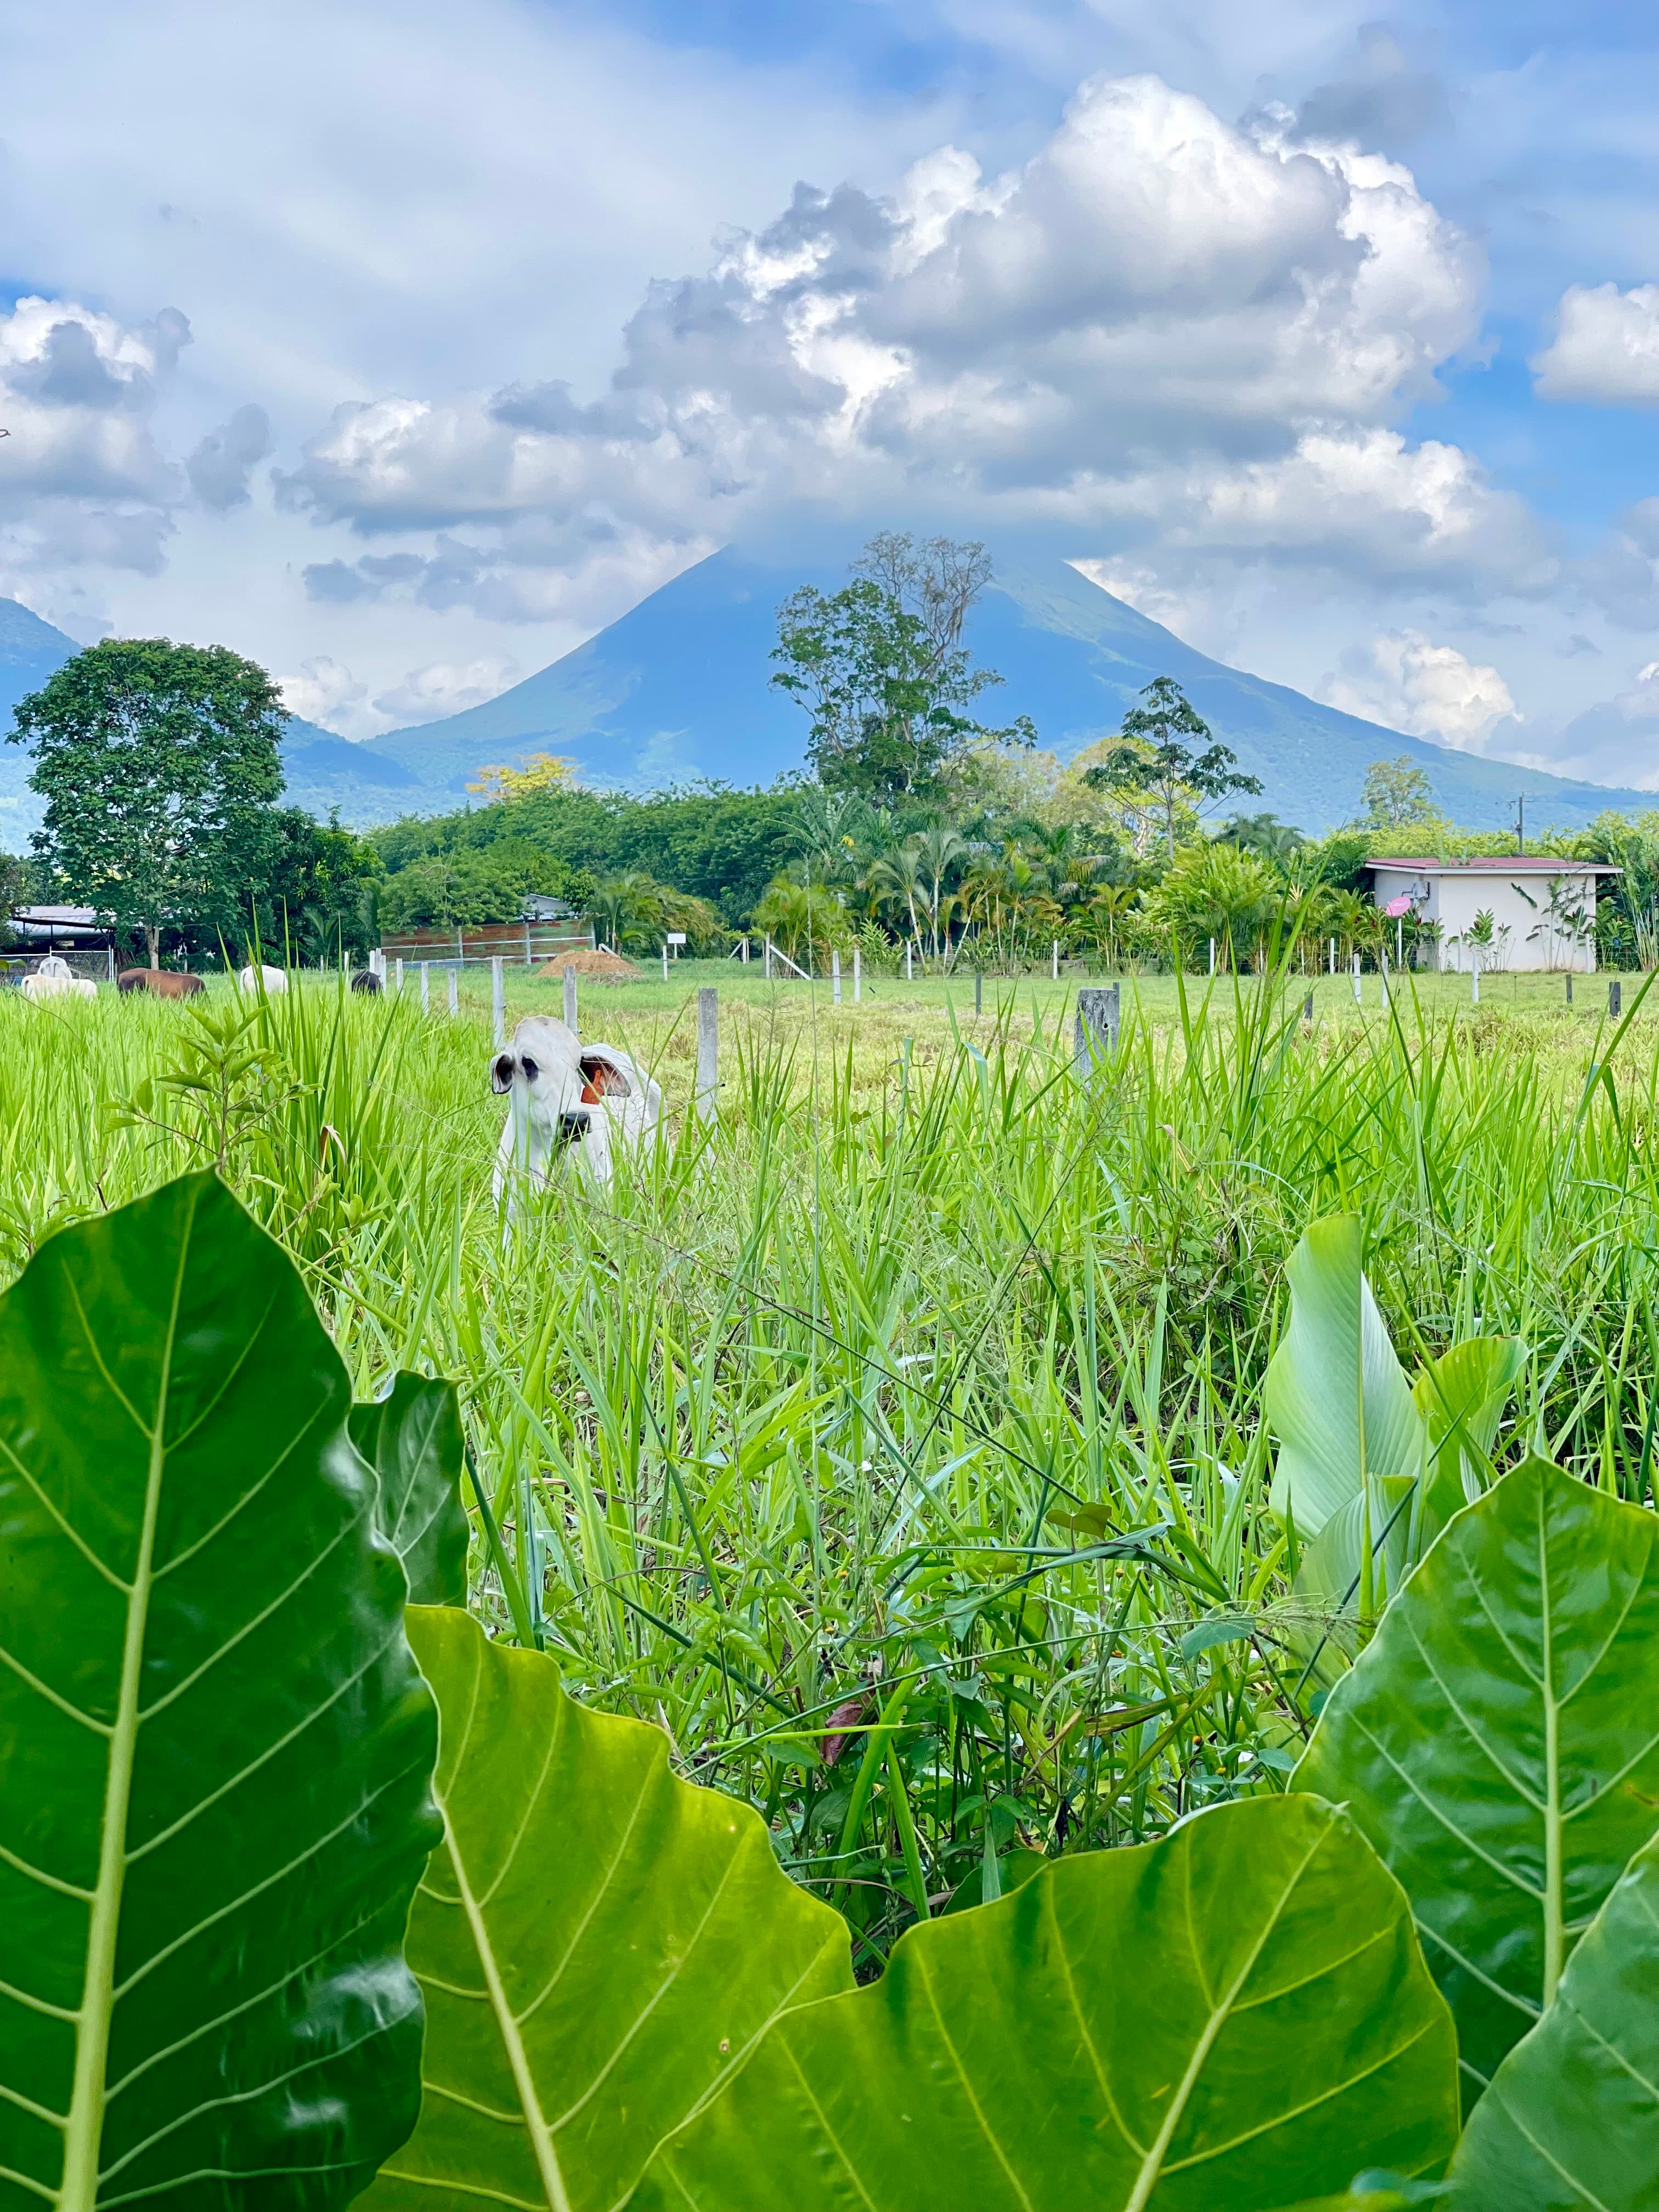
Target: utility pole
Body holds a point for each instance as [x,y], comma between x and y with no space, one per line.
[1520,827]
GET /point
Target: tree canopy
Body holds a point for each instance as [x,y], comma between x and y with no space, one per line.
[880,670]
[1398,796]
[1150,758]
[159,766]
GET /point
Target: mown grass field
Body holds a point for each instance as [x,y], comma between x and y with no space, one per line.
[860,1406]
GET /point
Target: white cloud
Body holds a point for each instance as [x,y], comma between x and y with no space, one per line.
[1159,323]
[326,693]
[85,482]
[1406,682]
[1606,348]
[427,694]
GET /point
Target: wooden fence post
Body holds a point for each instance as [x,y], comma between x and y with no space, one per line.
[1097,1028]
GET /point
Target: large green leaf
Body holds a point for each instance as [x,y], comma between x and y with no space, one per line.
[599,1942]
[1571,2119]
[1462,1396]
[412,1439]
[215,1750]
[1337,1399]
[1498,1739]
[1230,2019]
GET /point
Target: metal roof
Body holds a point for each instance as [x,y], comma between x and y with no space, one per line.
[1516,863]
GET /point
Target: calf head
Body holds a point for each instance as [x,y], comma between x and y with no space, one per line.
[541,1071]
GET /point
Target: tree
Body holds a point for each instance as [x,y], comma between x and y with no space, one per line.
[1398,796]
[158,763]
[1148,756]
[880,669]
[541,772]
[626,910]
[316,899]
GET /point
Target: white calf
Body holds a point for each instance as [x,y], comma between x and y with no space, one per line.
[568,1099]
[273,979]
[54,978]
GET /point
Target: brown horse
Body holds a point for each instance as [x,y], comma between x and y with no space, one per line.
[160,983]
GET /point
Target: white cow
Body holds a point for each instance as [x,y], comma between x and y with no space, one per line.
[54,978]
[567,1100]
[274,981]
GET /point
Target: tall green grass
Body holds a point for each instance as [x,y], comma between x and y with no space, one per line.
[916,1403]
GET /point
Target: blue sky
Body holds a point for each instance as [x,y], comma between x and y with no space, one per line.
[401,347]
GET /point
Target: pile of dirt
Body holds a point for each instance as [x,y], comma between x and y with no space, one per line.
[601,967]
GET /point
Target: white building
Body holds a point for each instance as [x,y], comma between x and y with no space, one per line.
[1521,912]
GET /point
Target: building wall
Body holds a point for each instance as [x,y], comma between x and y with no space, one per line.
[1454,899]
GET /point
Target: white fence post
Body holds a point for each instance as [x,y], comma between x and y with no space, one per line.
[1212,956]
[498,997]
[909,964]
[665,961]
[1474,977]
[454,991]
[398,979]
[708,1052]
[569,997]
[835,976]
[1357,999]
[1054,963]
[857,973]
[426,986]
[1333,956]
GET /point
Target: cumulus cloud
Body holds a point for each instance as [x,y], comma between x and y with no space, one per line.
[220,465]
[1617,740]
[1406,682]
[327,693]
[1606,348]
[87,484]
[427,694]
[1161,324]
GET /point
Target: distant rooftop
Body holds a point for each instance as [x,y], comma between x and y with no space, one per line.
[1513,864]
[64,917]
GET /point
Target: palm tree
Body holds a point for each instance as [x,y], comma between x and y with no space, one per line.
[938,851]
[896,875]
[625,907]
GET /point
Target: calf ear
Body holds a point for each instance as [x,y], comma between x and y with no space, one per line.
[501,1072]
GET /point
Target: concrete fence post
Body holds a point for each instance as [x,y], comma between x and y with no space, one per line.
[979,992]
[767,954]
[835,976]
[398,978]
[909,960]
[498,998]
[1615,997]
[1097,1028]
[1569,986]
[454,992]
[708,1052]
[569,997]
[426,986]
[1357,998]
[1306,1009]
[857,973]
[1212,956]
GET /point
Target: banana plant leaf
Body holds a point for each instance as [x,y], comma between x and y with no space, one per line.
[412,1439]
[1571,2119]
[599,1942]
[1229,2019]
[1337,1399]
[215,1746]
[1499,1741]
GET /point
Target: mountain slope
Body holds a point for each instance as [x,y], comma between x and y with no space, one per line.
[29,651]
[677,688]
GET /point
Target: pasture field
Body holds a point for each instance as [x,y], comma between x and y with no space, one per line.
[926,1386]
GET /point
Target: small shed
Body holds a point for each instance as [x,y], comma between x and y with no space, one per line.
[1542,908]
[60,928]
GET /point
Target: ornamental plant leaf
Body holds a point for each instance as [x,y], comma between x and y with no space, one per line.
[1337,1399]
[599,1942]
[1572,2118]
[1230,2019]
[412,1439]
[1499,1741]
[215,1749]
[1462,1396]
